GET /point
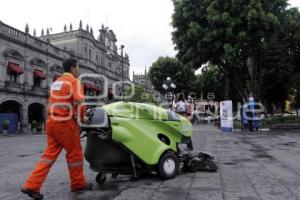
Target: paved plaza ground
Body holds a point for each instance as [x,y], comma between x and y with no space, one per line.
[259,165]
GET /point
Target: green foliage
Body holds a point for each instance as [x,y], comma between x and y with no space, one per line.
[34,124]
[280,62]
[140,96]
[272,120]
[5,124]
[165,67]
[279,119]
[210,81]
[237,36]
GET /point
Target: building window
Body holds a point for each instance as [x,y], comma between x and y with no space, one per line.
[97,61]
[13,77]
[38,77]
[109,66]
[85,52]
[14,70]
[90,54]
[37,82]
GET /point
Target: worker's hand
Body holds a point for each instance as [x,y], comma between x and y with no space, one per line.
[85,119]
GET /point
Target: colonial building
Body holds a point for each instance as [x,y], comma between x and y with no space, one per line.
[29,64]
[143,80]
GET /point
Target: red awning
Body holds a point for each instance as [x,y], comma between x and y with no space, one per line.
[39,74]
[86,86]
[97,89]
[110,92]
[14,68]
[91,86]
[55,77]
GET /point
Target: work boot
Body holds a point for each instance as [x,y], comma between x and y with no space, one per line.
[32,194]
[88,186]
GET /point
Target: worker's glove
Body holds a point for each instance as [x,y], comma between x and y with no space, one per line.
[85,120]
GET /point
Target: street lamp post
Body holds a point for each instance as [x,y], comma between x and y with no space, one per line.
[122,75]
[169,86]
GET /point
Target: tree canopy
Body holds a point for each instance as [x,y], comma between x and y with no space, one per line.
[240,37]
[165,67]
[139,95]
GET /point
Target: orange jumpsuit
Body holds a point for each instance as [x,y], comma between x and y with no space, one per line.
[62,133]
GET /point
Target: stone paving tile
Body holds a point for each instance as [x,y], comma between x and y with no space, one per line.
[251,166]
[153,182]
[196,194]
[206,182]
[181,182]
[275,192]
[240,196]
[135,194]
[169,194]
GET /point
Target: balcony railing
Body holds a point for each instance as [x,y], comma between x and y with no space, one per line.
[39,89]
[19,87]
[12,84]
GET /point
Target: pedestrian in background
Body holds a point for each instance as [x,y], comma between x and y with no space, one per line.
[244,121]
[180,106]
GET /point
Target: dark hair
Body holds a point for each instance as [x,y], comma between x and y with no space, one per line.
[180,97]
[68,63]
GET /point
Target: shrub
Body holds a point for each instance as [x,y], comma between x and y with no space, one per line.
[34,124]
[5,124]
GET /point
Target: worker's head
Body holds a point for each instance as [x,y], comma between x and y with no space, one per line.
[180,97]
[70,66]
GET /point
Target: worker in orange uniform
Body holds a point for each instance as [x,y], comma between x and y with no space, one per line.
[62,131]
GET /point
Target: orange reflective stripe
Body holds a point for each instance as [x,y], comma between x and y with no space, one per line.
[48,161]
[75,164]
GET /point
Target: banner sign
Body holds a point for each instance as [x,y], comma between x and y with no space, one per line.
[226,116]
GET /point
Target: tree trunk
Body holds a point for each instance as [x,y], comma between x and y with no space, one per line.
[255,76]
[227,88]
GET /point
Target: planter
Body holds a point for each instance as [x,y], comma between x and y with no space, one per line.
[34,126]
[5,125]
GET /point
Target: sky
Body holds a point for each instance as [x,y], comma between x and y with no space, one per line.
[143,26]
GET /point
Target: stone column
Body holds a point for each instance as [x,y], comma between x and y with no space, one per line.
[26,72]
[24,126]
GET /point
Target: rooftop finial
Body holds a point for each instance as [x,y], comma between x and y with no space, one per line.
[48,31]
[80,24]
[42,32]
[91,31]
[65,28]
[71,27]
[27,29]
[34,32]
[87,28]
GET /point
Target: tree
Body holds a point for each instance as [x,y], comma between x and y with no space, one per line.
[181,75]
[280,73]
[210,81]
[139,95]
[294,33]
[228,34]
